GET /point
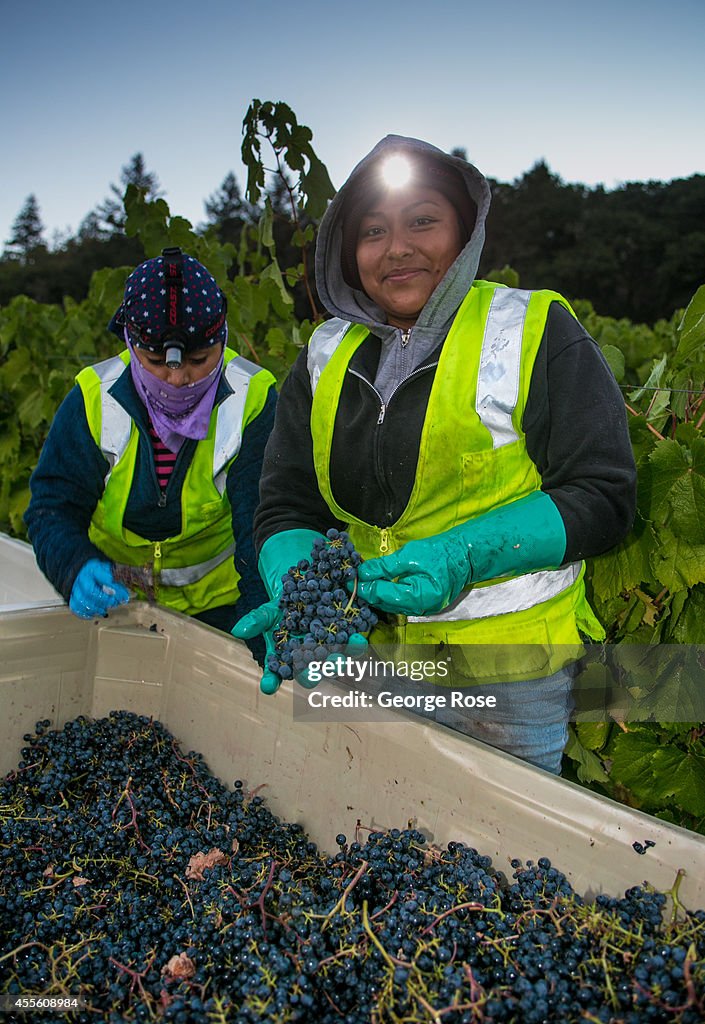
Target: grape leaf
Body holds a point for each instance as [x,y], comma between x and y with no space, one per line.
[692,327]
[593,735]
[676,562]
[689,625]
[654,380]
[615,360]
[589,766]
[678,487]
[679,776]
[632,755]
[625,567]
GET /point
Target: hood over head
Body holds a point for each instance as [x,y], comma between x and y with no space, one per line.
[337,279]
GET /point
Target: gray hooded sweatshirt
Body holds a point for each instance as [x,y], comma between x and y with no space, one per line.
[574,420]
[397,360]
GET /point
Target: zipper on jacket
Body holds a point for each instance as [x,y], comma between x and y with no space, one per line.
[405,335]
[383,406]
[162,499]
[157,567]
[383,542]
[386,493]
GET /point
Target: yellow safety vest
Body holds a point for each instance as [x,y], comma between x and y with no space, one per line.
[472,458]
[192,571]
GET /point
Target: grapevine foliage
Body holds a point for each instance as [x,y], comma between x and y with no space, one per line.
[132,877]
[651,588]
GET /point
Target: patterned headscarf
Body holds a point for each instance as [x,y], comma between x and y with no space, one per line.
[172,295]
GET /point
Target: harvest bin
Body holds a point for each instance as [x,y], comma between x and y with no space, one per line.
[22,584]
[204,687]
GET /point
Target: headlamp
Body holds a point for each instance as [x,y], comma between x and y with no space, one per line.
[396,171]
[173,352]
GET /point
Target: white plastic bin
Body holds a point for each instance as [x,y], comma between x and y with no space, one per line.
[203,686]
[22,584]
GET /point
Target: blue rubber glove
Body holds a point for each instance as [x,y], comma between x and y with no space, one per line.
[424,576]
[95,591]
[279,552]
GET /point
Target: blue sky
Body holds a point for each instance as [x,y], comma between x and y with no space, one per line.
[606,92]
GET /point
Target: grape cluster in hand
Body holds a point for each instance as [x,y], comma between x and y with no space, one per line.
[318,614]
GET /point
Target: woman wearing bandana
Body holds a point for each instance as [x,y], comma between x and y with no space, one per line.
[149,475]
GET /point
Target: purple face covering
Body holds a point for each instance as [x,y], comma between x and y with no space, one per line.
[176,412]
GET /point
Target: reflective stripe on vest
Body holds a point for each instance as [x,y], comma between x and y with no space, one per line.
[116,422]
[515,595]
[324,341]
[230,414]
[500,364]
[193,573]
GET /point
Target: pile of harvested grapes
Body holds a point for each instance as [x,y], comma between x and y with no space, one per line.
[132,878]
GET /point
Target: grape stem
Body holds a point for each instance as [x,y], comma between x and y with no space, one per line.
[126,795]
[259,902]
[390,960]
[188,895]
[340,905]
[349,605]
[453,910]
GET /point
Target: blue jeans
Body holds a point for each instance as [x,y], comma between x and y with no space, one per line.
[530,719]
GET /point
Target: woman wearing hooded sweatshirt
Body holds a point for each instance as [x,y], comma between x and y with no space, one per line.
[470,437]
[152,462]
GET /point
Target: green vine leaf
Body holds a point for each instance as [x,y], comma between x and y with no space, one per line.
[632,756]
[658,774]
[691,329]
[317,187]
[679,777]
[615,360]
[593,735]
[589,766]
[676,563]
[689,618]
[678,487]
[625,567]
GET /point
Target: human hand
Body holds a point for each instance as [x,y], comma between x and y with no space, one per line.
[421,578]
[95,591]
[424,576]
[264,621]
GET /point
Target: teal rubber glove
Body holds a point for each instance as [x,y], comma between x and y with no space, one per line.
[424,576]
[95,591]
[279,552]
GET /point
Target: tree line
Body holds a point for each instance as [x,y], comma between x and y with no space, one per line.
[636,251]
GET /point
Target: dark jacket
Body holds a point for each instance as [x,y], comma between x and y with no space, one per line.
[69,480]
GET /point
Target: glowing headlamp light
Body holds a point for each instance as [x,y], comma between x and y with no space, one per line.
[396,171]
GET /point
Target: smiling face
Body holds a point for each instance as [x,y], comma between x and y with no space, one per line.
[405,244]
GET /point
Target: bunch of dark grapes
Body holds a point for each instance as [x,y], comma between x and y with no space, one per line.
[132,877]
[319,615]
